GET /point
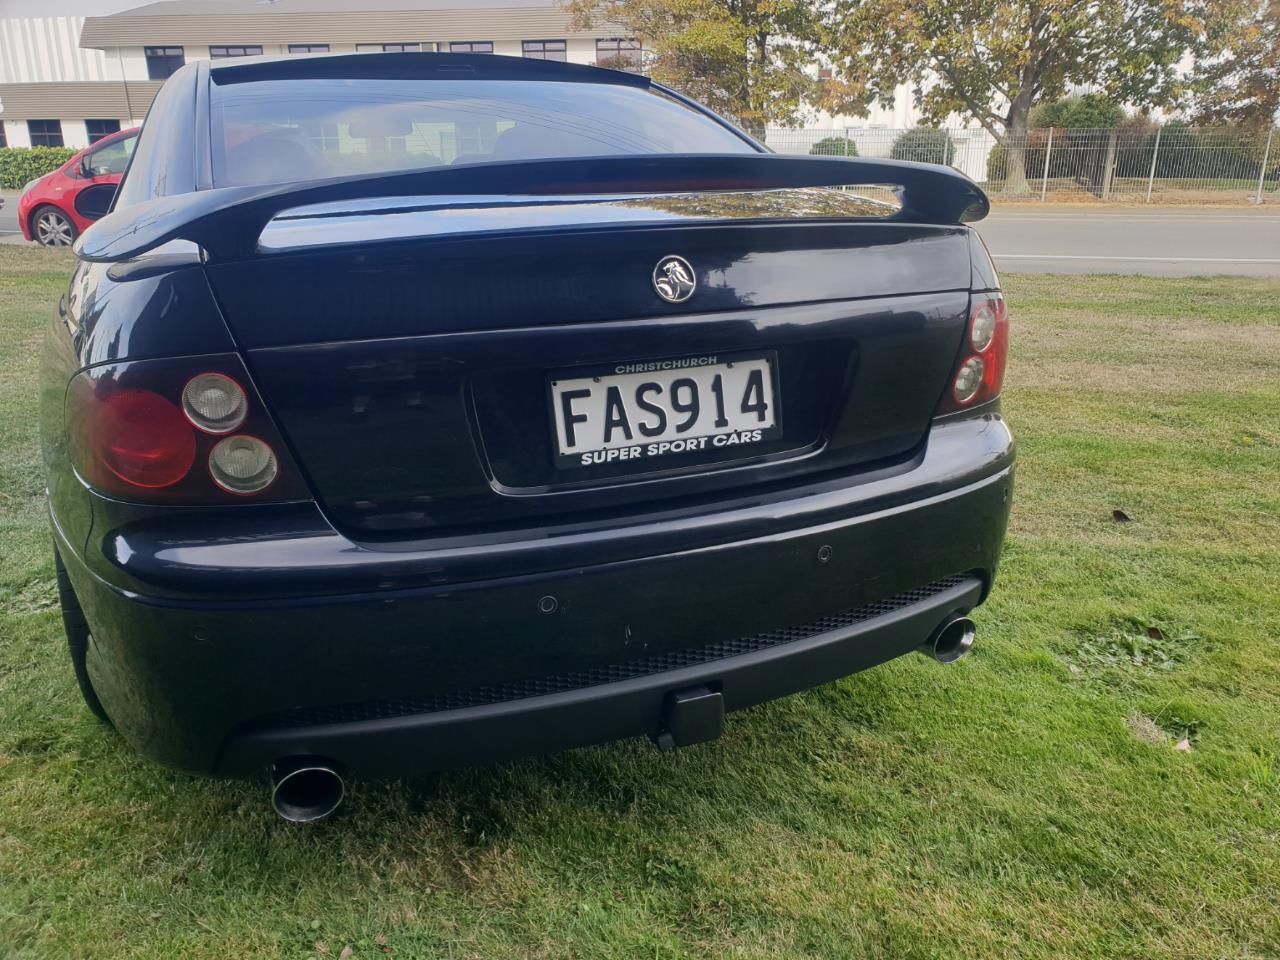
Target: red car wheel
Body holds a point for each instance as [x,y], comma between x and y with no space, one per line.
[50,227]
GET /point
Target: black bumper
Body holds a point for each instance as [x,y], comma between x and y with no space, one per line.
[784,662]
[210,657]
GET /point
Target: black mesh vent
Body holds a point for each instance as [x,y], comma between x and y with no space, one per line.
[610,673]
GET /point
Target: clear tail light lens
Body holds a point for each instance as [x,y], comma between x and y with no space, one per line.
[968,380]
[982,329]
[156,431]
[242,464]
[979,372]
[214,403]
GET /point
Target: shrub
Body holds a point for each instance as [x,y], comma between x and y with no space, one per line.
[20,165]
[834,147]
[1088,111]
[997,164]
[1032,157]
[924,145]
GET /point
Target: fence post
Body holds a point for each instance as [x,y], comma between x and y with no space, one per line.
[1044,179]
[1109,164]
[1262,170]
[1155,152]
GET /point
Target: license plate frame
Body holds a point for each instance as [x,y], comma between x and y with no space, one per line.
[666,370]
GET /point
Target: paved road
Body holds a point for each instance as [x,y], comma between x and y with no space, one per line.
[1156,242]
[9,216]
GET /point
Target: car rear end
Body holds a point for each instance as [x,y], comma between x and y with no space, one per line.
[588,421]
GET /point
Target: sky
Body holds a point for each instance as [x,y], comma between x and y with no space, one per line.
[65,8]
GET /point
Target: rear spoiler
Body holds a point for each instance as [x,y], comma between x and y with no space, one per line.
[226,222]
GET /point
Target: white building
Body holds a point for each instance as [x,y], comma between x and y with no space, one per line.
[66,80]
[75,70]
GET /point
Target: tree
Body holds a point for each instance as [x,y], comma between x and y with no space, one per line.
[992,60]
[1243,85]
[748,59]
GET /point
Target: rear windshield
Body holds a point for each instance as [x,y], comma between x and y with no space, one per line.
[281,131]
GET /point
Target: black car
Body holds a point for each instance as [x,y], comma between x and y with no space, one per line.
[416,411]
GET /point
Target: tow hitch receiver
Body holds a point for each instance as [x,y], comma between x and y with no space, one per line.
[690,716]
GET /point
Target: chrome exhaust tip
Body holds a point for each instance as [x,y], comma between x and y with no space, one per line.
[305,789]
[951,641]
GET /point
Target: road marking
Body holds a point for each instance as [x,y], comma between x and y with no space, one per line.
[1061,256]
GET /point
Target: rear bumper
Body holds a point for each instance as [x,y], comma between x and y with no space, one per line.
[222,668]
[599,712]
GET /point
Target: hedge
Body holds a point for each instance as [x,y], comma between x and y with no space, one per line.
[834,147]
[20,165]
[924,145]
[1089,111]
[1185,153]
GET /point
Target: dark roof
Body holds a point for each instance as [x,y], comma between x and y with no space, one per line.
[347,66]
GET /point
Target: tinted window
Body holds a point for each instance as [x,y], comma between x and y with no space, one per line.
[471,46]
[112,157]
[280,131]
[544,49]
[163,62]
[97,129]
[619,53]
[223,52]
[308,48]
[45,133]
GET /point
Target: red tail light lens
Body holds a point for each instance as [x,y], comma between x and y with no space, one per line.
[143,439]
[979,374]
[155,431]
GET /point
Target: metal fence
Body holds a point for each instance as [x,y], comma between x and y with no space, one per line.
[1136,162]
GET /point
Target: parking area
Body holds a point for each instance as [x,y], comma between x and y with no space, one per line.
[9,217]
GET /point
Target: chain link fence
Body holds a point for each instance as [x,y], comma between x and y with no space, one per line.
[1138,162]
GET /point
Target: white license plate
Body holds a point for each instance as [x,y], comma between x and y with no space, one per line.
[637,410]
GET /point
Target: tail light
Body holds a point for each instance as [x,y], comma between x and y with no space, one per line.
[177,431]
[142,439]
[979,373]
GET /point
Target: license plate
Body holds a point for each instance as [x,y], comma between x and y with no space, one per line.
[638,410]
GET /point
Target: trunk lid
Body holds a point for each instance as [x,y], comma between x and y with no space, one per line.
[409,358]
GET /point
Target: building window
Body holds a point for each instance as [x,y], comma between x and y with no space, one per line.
[308,48]
[4,142]
[618,52]
[388,47]
[471,46]
[163,62]
[97,129]
[544,49]
[45,133]
[222,53]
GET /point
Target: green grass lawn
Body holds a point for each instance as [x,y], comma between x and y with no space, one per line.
[1101,778]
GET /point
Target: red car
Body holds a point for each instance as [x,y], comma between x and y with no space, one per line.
[50,211]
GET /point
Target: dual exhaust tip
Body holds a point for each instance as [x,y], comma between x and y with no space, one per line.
[306,789]
[952,639]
